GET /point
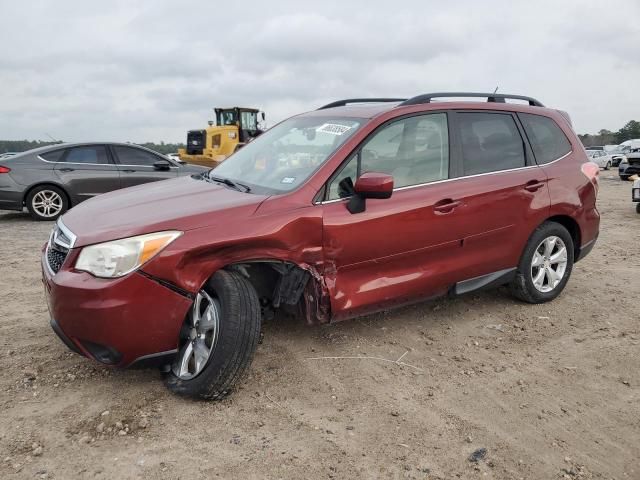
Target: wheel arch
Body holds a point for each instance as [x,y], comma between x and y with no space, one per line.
[574,230]
[46,183]
[284,284]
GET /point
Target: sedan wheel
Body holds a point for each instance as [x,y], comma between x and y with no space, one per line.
[200,336]
[549,264]
[46,202]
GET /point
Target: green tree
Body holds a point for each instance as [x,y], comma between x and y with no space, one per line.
[629,131]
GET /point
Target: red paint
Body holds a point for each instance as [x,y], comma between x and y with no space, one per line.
[414,245]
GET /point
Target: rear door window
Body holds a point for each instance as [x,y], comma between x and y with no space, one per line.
[135,156]
[491,142]
[547,139]
[90,154]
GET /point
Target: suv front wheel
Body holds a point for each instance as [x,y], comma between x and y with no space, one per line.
[545,265]
[218,338]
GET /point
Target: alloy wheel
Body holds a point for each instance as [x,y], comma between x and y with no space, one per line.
[549,264]
[199,337]
[47,203]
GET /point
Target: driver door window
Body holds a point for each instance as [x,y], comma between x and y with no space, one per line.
[413,150]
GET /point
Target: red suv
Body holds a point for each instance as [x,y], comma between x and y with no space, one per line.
[358,206]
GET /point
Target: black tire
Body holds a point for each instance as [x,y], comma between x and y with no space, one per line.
[55,193]
[607,166]
[624,178]
[637,207]
[522,286]
[237,339]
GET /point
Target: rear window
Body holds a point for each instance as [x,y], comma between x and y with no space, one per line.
[53,156]
[547,140]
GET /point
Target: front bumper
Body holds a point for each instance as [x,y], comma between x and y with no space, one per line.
[116,322]
[628,169]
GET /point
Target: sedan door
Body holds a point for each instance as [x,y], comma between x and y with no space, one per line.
[138,165]
[86,171]
[399,249]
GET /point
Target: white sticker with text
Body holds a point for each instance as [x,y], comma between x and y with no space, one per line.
[333,129]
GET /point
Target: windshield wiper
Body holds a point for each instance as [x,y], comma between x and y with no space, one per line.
[230,183]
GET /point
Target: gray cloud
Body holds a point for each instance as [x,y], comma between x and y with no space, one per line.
[150,70]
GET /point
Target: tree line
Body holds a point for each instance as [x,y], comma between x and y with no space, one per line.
[24,145]
[630,131]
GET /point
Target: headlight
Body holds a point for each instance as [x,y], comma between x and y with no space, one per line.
[117,258]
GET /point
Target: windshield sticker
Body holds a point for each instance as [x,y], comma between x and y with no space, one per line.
[288,180]
[333,129]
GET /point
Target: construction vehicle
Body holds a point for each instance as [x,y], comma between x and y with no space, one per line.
[233,128]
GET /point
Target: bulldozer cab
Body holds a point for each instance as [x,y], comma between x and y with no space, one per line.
[246,119]
[234,127]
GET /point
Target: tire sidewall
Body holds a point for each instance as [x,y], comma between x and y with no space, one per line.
[546,230]
[35,215]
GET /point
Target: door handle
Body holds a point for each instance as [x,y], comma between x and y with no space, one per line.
[533,185]
[129,171]
[446,206]
[66,169]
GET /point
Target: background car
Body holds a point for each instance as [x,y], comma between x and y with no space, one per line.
[635,194]
[7,155]
[600,157]
[630,164]
[50,180]
[175,157]
[617,153]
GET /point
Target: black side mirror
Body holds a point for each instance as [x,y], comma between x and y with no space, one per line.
[162,165]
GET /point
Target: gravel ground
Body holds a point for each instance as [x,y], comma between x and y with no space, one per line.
[548,391]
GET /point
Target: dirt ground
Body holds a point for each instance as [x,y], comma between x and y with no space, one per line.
[550,391]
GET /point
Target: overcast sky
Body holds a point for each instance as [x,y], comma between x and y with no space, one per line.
[150,70]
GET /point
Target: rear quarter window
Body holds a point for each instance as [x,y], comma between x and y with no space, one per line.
[54,156]
[547,139]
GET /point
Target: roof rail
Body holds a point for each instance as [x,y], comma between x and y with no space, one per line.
[342,103]
[491,97]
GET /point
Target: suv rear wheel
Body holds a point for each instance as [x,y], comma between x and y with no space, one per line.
[218,338]
[545,265]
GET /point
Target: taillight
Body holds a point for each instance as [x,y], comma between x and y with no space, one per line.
[4,169]
[591,171]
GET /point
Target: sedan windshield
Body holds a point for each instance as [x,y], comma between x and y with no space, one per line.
[283,157]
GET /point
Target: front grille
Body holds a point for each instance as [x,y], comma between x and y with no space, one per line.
[60,241]
[55,258]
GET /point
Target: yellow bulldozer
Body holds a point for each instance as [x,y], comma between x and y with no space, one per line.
[233,128]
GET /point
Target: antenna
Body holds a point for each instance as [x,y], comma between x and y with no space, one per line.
[51,137]
[496,90]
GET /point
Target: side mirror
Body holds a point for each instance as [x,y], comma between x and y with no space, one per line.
[370,185]
[162,165]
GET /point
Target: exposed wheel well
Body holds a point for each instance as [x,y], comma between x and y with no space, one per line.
[46,184]
[574,230]
[281,284]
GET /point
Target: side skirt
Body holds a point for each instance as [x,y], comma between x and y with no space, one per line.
[490,280]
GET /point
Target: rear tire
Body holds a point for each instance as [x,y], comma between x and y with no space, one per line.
[543,272]
[46,202]
[236,339]
[607,166]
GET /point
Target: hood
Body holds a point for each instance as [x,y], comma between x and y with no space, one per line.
[183,203]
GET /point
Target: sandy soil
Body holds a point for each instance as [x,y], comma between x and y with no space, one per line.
[550,391]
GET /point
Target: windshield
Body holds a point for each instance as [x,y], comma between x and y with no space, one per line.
[283,157]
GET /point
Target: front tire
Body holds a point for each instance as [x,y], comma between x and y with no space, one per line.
[607,166]
[46,202]
[218,339]
[545,265]
[624,178]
